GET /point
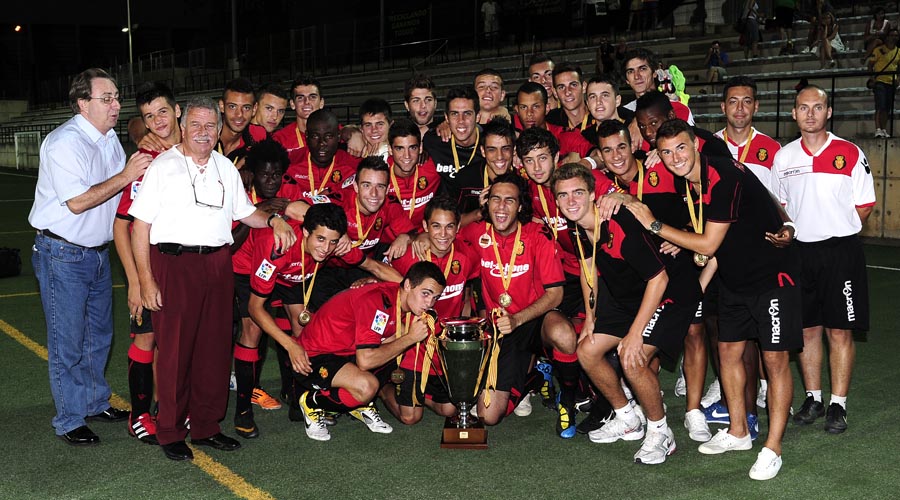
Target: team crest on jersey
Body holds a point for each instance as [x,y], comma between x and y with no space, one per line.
[323,372]
[485,240]
[454,266]
[379,322]
[521,248]
[266,270]
[653,179]
[762,154]
[377,225]
[840,162]
[423,182]
[336,176]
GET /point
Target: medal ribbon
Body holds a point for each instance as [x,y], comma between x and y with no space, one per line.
[506,277]
[746,145]
[697,222]
[430,347]
[299,136]
[307,292]
[552,225]
[312,179]
[474,149]
[412,201]
[359,225]
[640,181]
[589,276]
[449,259]
[584,122]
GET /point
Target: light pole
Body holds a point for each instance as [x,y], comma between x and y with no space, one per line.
[130,52]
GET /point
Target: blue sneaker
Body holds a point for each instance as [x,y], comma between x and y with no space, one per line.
[565,420]
[717,413]
[753,425]
[547,390]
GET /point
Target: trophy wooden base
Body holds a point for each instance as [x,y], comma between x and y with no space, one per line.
[468,438]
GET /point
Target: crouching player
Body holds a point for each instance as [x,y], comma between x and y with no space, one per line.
[641,307]
[343,354]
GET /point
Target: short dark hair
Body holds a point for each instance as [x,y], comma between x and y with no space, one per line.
[532,88]
[375,163]
[420,81]
[609,78]
[654,101]
[463,92]
[568,171]
[539,58]
[325,214]
[673,127]
[738,81]
[373,107]
[404,127]
[304,80]
[149,91]
[534,138]
[526,211]
[640,53]
[612,127]
[81,85]
[423,270]
[442,202]
[499,126]
[567,67]
[271,88]
[267,151]
[488,71]
[322,115]
[239,85]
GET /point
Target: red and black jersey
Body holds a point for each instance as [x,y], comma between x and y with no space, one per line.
[422,185]
[327,180]
[655,186]
[570,141]
[291,138]
[287,269]
[383,226]
[537,265]
[748,263]
[358,318]
[130,191]
[250,136]
[464,185]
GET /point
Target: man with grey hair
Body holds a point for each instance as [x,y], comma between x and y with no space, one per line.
[183,215]
[81,175]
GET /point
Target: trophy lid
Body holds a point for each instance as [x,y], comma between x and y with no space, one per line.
[463,321]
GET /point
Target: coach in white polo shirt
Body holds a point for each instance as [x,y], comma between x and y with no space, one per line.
[182,228]
[827,189]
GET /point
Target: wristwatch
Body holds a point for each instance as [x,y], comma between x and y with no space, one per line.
[273,216]
[655,227]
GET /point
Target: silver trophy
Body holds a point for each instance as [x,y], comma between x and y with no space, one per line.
[463,348]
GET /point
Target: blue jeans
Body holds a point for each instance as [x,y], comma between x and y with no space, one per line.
[76,292]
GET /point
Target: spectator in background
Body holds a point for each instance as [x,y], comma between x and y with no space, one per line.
[814,13]
[491,24]
[751,29]
[784,19]
[876,32]
[829,41]
[884,59]
[716,60]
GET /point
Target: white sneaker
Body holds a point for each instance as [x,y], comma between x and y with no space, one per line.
[523,409]
[713,394]
[767,465]
[723,441]
[626,390]
[639,412]
[315,421]
[617,429]
[807,50]
[698,429]
[657,446]
[761,396]
[680,384]
[369,415]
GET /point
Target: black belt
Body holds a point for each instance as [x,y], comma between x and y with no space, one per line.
[178,249]
[50,234]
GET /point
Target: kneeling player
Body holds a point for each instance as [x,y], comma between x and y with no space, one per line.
[642,307]
[346,349]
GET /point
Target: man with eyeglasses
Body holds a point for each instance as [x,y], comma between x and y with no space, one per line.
[80,178]
[306,98]
[183,216]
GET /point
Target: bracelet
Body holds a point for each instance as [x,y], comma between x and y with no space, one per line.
[592,162]
[269,220]
[790,225]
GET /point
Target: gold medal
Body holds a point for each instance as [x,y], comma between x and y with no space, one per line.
[700,259]
[304,317]
[505,299]
[398,376]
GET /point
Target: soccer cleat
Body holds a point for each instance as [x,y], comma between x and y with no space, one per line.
[262,399]
[809,412]
[143,428]
[656,447]
[761,396]
[680,384]
[698,429]
[523,409]
[723,441]
[547,391]
[331,418]
[584,405]
[753,425]
[565,422]
[713,394]
[617,429]
[369,415]
[835,419]
[594,421]
[187,422]
[767,465]
[315,423]
[245,426]
[717,413]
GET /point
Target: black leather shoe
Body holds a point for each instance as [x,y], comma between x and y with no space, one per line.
[81,436]
[110,415]
[177,451]
[218,441]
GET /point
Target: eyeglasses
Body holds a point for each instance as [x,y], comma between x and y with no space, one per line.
[209,192]
[105,99]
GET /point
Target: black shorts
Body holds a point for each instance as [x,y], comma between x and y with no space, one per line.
[324,367]
[884,96]
[835,284]
[772,317]
[516,351]
[668,325]
[242,294]
[784,17]
[412,380]
[573,299]
[141,324]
